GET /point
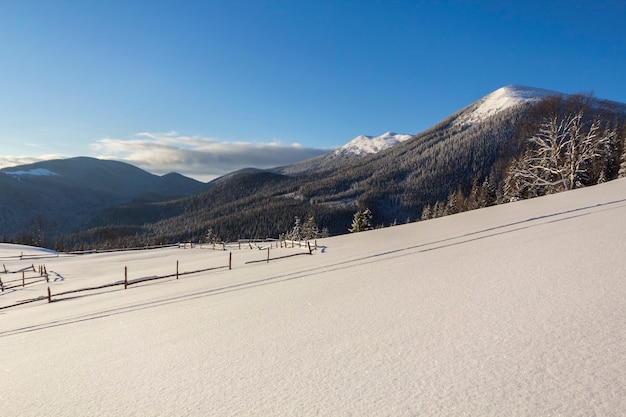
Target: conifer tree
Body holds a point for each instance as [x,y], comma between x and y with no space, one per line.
[622,166]
[362,221]
[309,228]
[296,232]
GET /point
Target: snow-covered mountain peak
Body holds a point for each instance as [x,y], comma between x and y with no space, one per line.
[502,99]
[364,145]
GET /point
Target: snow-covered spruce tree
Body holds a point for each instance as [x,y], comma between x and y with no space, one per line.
[211,237]
[362,221]
[456,203]
[561,153]
[438,209]
[296,232]
[473,199]
[309,228]
[622,166]
[427,213]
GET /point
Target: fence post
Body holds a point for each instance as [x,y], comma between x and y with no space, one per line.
[23,281]
[1,285]
[125,277]
[310,250]
[268,254]
[176,269]
[49,296]
[230,261]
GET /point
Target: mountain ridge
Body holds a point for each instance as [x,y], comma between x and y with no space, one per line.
[77,188]
[396,183]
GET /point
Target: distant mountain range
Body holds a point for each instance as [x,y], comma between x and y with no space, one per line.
[66,192]
[83,202]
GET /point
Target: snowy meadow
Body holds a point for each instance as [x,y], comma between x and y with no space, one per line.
[516,309]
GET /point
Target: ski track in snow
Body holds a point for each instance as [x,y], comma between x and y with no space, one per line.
[510,310]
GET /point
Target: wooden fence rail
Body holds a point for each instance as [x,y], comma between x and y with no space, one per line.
[125,282]
[268,259]
[6,284]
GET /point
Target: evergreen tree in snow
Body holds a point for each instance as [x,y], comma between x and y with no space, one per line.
[488,193]
[622,166]
[473,200]
[362,221]
[309,228]
[296,232]
[211,237]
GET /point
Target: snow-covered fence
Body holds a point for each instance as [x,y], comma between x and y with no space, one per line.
[41,275]
[260,244]
[21,256]
[125,282]
[268,259]
[287,243]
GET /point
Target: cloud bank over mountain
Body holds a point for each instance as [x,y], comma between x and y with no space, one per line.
[198,157]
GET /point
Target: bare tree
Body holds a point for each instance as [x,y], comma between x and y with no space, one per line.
[562,152]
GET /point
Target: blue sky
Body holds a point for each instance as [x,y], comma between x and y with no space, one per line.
[206,87]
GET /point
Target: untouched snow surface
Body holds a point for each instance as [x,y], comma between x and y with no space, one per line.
[502,99]
[514,310]
[364,145]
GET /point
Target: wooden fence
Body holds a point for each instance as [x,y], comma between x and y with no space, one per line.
[268,259]
[125,282]
[43,274]
[40,274]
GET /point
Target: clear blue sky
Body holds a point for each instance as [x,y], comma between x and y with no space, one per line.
[193,86]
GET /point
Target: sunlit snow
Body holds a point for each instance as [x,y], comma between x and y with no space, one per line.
[502,99]
[510,310]
[364,145]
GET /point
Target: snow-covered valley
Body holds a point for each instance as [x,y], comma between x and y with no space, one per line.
[515,309]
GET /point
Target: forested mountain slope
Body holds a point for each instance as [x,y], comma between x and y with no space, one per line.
[465,160]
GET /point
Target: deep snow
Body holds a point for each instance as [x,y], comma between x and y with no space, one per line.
[511,310]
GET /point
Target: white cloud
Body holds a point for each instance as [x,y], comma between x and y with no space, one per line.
[198,157]
[11,161]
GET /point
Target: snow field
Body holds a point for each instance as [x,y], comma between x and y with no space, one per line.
[510,310]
